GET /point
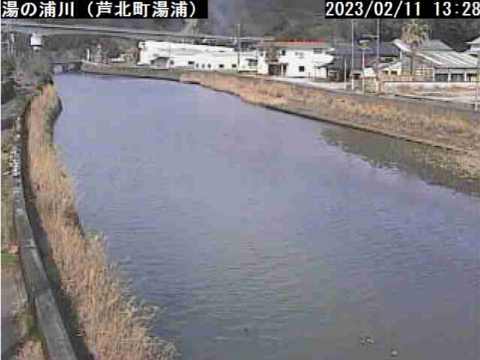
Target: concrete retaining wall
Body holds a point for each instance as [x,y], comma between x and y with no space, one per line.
[140,72]
[56,341]
[429,85]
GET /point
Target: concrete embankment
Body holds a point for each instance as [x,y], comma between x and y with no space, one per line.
[65,267]
[133,71]
[50,324]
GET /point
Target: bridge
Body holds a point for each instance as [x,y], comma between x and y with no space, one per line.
[66,66]
[42,29]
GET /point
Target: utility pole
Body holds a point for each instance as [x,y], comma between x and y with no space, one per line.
[478,81]
[353,55]
[364,46]
[378,58]
[239,45]
[11,40]
[378,47]
[363,70]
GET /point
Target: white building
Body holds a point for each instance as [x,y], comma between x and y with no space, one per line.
[36,42]
[151,50]
[474,47]
[168,55]
[436,61]
[302,59]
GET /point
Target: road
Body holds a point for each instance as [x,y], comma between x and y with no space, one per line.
[9,111]
[53,29]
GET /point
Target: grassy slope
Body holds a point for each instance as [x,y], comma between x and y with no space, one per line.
[112,325]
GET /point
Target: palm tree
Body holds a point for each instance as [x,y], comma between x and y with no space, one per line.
[414,34]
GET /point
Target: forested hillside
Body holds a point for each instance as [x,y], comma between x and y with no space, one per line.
[303,18]
[299,18]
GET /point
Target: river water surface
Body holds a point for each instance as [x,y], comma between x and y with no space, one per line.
[262,235]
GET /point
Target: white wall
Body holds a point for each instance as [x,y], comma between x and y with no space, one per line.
[224,62]
[199,57]
[212,61]
[302,63]
[150,50]
[262,64]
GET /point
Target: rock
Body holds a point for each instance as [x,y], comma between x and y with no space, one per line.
[12,249]
[169,350]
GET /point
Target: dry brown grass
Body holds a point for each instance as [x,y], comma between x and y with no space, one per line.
[415,121]
[31,350]
[447,129]
[113,326]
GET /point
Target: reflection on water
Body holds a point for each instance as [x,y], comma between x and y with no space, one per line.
[435,166]
[261,239]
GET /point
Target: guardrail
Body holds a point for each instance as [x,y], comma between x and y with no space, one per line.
[55,339]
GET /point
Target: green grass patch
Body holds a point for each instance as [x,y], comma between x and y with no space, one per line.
[9,259]
[27,325]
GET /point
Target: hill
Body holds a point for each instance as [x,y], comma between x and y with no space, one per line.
[300,19]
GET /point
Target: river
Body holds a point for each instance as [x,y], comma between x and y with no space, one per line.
[262,235]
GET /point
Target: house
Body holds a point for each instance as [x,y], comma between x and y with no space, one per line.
[151,50]
[474,47]
[343,59]
[215,61]
[301,59]
[168,55]
[129,56]
[436,61]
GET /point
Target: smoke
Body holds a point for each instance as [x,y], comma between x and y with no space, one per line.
[261,17]
[220,13]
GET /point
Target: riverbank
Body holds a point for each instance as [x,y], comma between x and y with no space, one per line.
[110,324]
[296,200]
[436,125]
[430,123]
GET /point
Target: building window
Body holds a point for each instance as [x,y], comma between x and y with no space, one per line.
[283,52]
[300,54]
[197,66]
[172,62]
[203,66]
[191,63]
[209,66]
[301,68]
[318,51]
[457,78]
[221,66]
[441,77]
[234,66]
